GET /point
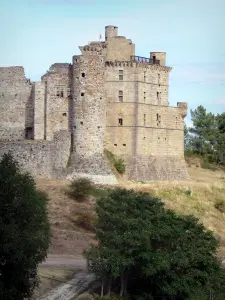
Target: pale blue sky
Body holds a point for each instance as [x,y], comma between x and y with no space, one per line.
[37,33]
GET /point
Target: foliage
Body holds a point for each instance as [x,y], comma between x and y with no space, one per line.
[24,231]
[80,189]
[152,251]
[117,164]
[206,137]
[84,220]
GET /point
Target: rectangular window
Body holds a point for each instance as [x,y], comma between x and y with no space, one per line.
[60,91]
[120,122]
[144,119]
[120,96]
[120,75]
[144,75]
[144,96]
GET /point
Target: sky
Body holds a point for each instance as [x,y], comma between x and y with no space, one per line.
[37,33]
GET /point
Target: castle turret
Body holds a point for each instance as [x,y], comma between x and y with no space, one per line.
[110,32]
[158,58]
[89,119]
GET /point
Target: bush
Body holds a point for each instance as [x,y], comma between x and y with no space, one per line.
[80,189]
[84,220]
[120,166]
[220,205]
[117,164]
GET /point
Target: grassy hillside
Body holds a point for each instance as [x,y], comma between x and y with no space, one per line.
[202,196]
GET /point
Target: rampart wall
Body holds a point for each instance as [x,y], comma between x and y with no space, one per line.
[41,158]
[15,103]
[58,99]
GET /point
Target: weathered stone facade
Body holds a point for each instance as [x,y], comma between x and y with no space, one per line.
[107,98]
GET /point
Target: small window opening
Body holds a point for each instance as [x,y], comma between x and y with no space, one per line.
[64,114]
[83,75]
[120,96]
[157,117]
[98,127]
[144,119]
[120,75]
[120,121]
[157,95]
[124,145]
[144,75]
[81,123]
[82,94]
[115,145]
[158,138]
[144,138]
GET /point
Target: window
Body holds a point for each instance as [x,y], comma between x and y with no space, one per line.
[157,95]
[115,145]
[120,122]
[144,119]
[82,94]
[83,75]
[64,114]
[60,91]
[120,74]
[120,96]
[144,96]
[144,75]
[124,145]
[81,123]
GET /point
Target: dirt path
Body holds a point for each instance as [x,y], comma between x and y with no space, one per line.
[73,287]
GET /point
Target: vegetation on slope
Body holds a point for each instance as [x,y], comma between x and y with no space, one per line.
[24,231]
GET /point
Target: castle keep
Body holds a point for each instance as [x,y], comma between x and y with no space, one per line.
[108,98]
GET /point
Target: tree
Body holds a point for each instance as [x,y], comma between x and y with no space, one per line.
[154,252]
[24,231]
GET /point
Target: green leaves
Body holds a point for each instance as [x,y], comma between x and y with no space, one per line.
[152,250]
[24,231]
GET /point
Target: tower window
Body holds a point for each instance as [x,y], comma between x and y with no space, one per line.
[144,75]
[64,114]
[157,95]
[83,74]
[59,92]
[120,96]
[82,94]
[120,75]
[144,119]
[120,122]
[144,96]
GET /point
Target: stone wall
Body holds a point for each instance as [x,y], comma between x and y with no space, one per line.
[89,117]
[15,103]
[58,99]
[41,158]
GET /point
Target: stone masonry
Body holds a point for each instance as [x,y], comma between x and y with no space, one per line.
[107,98]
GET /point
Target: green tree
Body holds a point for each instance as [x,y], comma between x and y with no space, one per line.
[24,231]
[153,252]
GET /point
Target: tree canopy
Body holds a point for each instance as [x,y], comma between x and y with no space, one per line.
[153,252]
[24,231]
[207,135]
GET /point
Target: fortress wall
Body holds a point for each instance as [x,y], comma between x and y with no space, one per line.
[41,158]
[39,110]
[119,48]
[15,103]
[58,99]
[141,82]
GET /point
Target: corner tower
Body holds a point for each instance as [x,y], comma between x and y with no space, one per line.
[89,114]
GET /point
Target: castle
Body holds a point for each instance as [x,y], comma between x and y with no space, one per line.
[108,98]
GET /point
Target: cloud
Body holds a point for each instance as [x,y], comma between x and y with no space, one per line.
[200,73]
[221,101]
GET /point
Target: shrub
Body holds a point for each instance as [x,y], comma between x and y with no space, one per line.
[220,205]
[117,164]
[84,220]
[80,189]
[120,166]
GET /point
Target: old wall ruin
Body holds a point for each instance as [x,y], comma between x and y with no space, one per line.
[15,103]
[46,159]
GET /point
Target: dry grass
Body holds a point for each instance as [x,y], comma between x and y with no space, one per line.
[197,196]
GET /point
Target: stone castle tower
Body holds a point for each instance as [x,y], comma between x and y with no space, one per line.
[108,98]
